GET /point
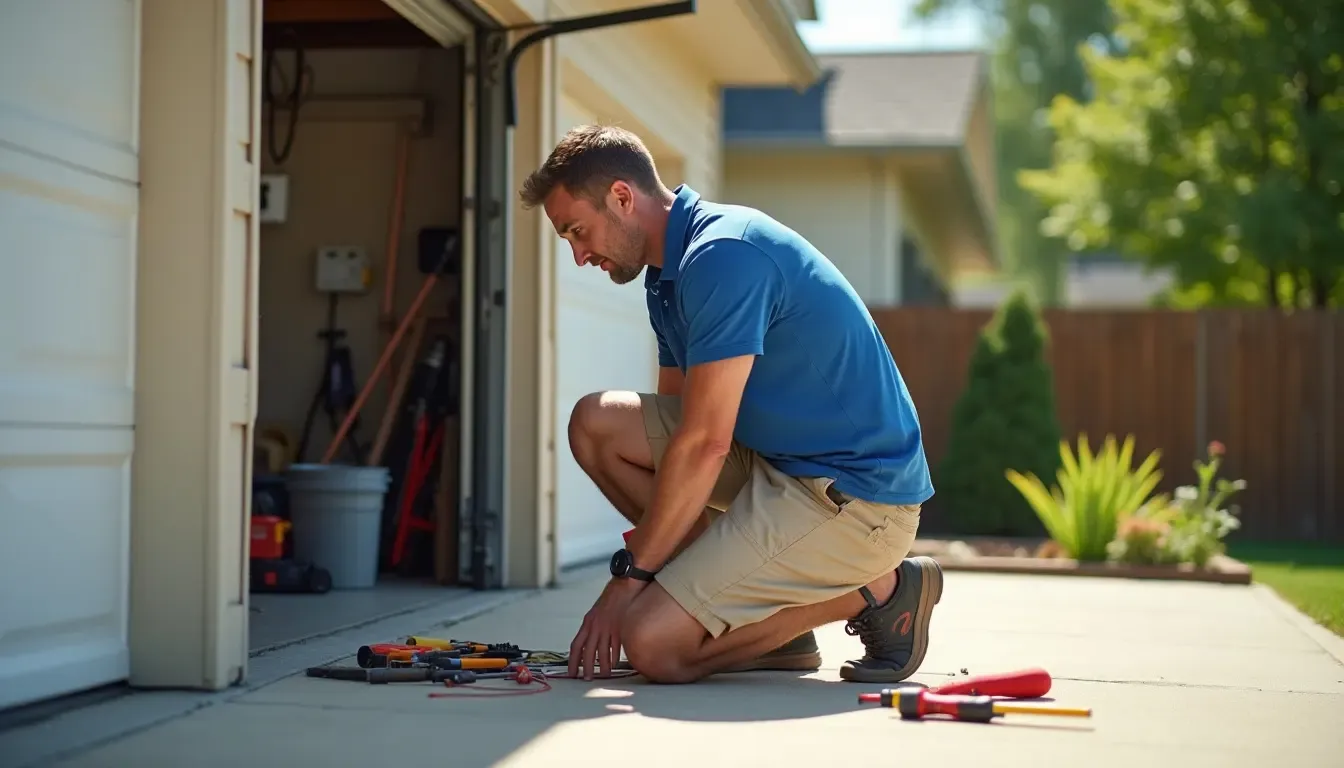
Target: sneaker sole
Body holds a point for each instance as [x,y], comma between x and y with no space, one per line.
[930,592]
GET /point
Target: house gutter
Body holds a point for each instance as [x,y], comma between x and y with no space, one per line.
[777,19]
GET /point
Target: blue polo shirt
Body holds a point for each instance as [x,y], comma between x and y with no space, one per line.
[824,398]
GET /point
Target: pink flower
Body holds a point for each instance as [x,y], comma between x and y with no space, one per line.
[1216,448]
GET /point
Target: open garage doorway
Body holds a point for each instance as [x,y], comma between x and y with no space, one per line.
[366,164]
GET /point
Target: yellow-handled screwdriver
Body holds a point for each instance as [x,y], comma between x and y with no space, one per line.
[916,703]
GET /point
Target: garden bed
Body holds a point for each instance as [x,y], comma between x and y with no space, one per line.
[1037,556]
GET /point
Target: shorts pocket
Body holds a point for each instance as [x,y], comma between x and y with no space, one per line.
[886,526]
[905,517]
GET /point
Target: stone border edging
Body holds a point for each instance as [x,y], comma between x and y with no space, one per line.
[1221,569]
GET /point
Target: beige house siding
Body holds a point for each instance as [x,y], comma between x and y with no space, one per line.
[667,99]
[980,155]
[847,205]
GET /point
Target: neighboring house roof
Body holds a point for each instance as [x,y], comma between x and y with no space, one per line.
[898,99]
[928,113]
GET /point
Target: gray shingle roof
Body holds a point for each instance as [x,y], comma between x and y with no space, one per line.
[876,99]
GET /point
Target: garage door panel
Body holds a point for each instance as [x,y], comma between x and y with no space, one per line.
[69,199]
[600,347]
[68,253]
[82,109]
[65,494]
[596,287]
[603,341]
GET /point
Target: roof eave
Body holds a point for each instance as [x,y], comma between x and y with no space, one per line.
[780,24]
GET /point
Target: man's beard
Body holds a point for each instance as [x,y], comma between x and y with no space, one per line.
[626,253]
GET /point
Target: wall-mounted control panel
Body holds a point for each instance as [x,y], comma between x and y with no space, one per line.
[343,269]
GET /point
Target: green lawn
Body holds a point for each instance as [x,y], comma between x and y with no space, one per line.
[1309,576]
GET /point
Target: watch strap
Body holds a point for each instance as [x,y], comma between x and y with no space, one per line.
[640,574]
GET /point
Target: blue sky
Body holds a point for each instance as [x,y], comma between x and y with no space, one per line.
[847,25]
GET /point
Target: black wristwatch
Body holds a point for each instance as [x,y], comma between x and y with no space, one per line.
[623,566]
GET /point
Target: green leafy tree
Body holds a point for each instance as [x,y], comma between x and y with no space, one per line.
[1034,59]
[1211,146]
[1004,420]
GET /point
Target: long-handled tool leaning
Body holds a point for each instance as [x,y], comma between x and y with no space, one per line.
[385,358]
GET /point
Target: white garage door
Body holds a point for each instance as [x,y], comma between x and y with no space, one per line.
[68,198]
[603,341]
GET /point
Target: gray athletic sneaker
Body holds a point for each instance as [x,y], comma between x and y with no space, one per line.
[896,634]
[798,655]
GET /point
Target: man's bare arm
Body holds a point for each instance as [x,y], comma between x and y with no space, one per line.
[711,395]
[670,381]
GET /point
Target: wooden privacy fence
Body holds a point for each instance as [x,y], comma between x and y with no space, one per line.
[1269,386]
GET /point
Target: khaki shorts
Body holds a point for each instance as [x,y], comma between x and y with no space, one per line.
[774,541]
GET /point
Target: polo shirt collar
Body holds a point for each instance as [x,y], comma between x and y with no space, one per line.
[678,228]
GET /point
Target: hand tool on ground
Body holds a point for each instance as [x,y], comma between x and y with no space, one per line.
[464,646]
[355,674]
[917,703]
[519,674]
[408,675]
[1030,683]
[426,656]
[377,655]
[435,673]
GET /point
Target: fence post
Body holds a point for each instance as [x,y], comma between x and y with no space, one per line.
[1201,382]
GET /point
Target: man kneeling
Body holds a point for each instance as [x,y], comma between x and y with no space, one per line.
[775,479]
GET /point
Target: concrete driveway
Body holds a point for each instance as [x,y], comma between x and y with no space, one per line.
[1176,674]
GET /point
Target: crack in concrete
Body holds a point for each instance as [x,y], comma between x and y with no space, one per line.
[1205,686]
[954,676]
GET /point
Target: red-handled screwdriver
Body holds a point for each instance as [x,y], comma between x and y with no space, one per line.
[1030,683]
[917,703]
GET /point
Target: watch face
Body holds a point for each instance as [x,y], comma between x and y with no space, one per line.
[620,562]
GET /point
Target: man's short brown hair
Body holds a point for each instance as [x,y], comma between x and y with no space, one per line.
[587,161]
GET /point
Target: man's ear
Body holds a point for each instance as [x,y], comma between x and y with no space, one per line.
[622,198]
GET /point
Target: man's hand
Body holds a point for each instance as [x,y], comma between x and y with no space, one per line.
[598,643]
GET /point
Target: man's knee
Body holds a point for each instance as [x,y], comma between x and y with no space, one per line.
[584,422]
[607,422]
[653,657]
[660,639]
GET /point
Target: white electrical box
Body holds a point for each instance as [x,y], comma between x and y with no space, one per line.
[343,269]
[274,198]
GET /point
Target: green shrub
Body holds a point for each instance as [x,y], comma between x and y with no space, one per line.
[1094,491]
[1005,419]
